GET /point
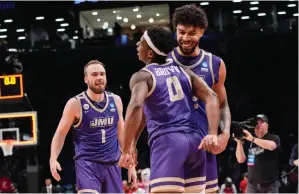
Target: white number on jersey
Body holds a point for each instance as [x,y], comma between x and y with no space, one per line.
[178,93]
[103,135]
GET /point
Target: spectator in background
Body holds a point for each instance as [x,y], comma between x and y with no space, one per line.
[228,186]
[145,179]
[294,161]
[6,185]
[13,65]
[243,183]
[262,159]
[49,188]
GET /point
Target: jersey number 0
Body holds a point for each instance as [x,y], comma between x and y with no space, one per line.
[174,89]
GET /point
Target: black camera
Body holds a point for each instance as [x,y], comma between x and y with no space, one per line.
[237,127]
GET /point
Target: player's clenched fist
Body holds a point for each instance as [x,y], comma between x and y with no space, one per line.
[54,166]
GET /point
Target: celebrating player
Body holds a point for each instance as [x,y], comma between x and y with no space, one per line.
[162,98]
[98,124]
[190,23]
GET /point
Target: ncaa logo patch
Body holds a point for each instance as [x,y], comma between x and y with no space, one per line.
[86,106]
[112,105]
[204,64]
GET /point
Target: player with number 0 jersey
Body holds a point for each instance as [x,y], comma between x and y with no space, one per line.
[162,98]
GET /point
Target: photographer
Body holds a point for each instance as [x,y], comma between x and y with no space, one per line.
[262,157]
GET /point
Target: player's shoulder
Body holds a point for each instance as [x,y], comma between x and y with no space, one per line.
[72,105]
[211,54]
[116,97]
[216,60]
[79,96]
[142,74]
[110,94]
[75,100]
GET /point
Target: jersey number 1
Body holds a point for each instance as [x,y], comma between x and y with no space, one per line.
[103,135]
[174,83]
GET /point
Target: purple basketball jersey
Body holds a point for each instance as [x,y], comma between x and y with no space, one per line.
[95,135]
[169,106]
[206,66]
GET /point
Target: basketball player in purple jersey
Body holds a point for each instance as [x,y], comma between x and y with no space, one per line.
[162,98]
[190,23]
[98,124]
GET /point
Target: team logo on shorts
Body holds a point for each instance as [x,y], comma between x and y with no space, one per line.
[86,106]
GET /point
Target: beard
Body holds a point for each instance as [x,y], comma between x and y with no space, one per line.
[189,50]
[97,90]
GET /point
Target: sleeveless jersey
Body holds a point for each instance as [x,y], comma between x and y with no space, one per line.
[206,66]
[169,107]
[95,135]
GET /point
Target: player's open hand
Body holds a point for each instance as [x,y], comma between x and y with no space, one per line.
[54,166]
[132,177]
[222,143]
[126,160]
[209,143]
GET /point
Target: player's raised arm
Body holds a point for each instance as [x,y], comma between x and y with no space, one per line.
[206,94]
[139,85]
[70,111]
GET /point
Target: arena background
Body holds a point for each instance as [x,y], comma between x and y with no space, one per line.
[261,56]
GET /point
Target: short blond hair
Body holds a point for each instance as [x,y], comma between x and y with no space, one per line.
[91,63]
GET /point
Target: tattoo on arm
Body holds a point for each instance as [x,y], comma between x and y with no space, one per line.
[225,116]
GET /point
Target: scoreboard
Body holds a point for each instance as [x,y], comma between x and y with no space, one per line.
[11,87]
[17,125]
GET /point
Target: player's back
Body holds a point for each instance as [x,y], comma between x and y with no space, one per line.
[205,65]
[95,134]
[169,106]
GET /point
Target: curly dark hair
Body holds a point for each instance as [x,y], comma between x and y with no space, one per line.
[163,40]
[190,14]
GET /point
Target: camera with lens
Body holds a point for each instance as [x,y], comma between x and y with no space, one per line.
[237,127]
